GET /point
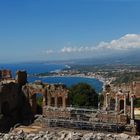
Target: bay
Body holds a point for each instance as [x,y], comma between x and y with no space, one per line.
[35,68]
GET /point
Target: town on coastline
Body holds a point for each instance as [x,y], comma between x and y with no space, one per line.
[110,74]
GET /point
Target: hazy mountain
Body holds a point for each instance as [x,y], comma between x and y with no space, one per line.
[129,58]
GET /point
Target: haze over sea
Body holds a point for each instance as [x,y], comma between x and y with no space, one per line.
[34,68]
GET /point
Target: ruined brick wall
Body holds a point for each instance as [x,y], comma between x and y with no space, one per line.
[5,74]
[13,105]
[112,118]
[9,98]
[53,95]
[137,93]
[133,88]
[56,114]
[21,77]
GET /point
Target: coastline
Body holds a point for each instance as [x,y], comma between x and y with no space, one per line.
[99,78]
[81,76]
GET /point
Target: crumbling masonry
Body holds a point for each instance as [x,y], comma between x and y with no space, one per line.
[54,95]
[18,103]
[18,99]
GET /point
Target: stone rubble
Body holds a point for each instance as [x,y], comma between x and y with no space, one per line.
[65,135]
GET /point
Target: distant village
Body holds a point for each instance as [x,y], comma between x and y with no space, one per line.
[106,74]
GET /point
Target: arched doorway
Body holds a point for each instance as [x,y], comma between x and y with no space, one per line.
[36,103]
[112,104]
[39,99]
[52,101]
[121,105]
[59,101]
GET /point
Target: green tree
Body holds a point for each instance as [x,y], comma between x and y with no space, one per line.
[137,102]
[82,94]
[39,101]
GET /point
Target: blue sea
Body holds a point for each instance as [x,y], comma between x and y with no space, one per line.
[34,68]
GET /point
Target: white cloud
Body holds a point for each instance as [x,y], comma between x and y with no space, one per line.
[129,41]
[49,51]
[75,49]
[124,44]
[68,49]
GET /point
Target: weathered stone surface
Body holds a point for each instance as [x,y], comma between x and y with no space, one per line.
[124,136]
[65,135]
[135,138]
[87,136]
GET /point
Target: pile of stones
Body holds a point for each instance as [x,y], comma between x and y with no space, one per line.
[65,135]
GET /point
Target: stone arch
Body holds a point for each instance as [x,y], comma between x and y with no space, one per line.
[50,94]
[37,103]
[33,99]
[112,104]
[31,91]
[39,98]
[33,103]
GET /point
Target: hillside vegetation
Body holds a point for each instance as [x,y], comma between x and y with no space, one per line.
[127,77]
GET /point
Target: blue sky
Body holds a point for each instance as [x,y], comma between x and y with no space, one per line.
[65,29]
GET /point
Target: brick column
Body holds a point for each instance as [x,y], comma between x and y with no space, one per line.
[48,101]
[116,103]
[132,107]
[107,100]
[124,104]
[44,105]
[56,102]
[132,122]
[64,102]
[33,104]
[44,101]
